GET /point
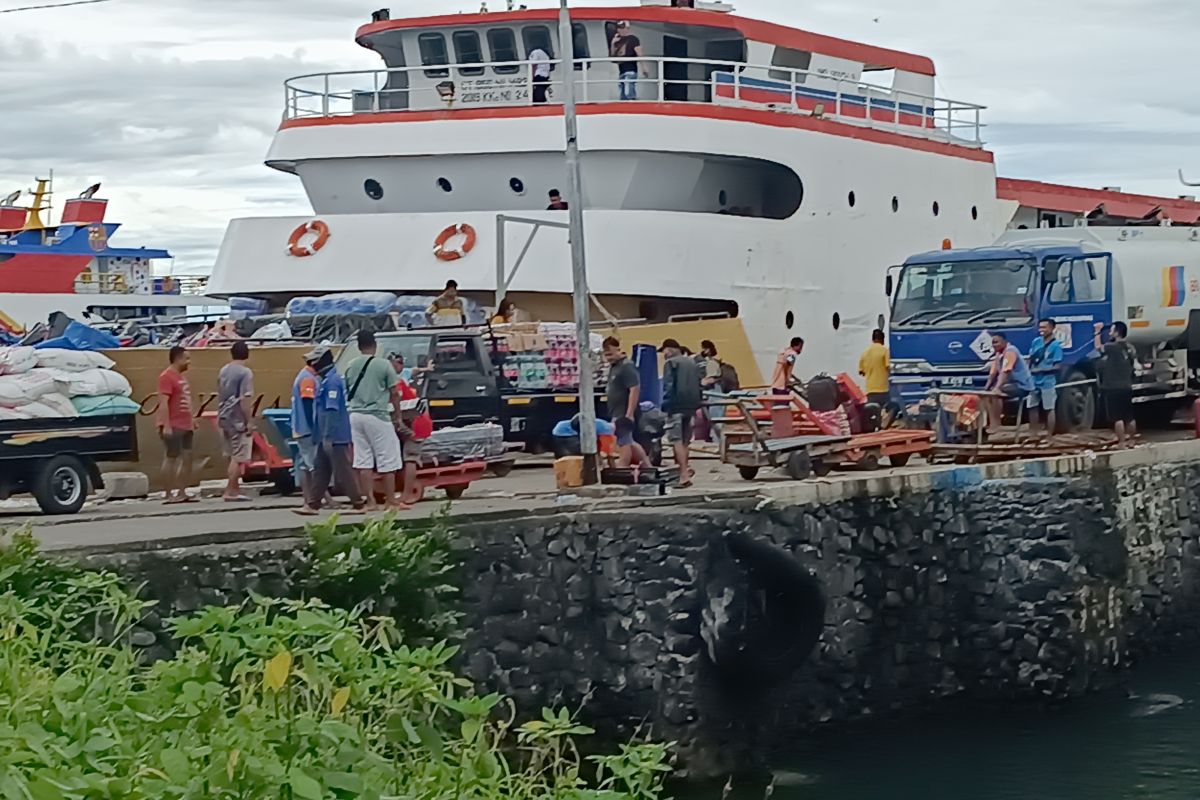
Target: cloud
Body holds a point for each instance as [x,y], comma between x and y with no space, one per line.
[172,103]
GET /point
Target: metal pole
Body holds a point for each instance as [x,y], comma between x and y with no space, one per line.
[587,392]
[501,258]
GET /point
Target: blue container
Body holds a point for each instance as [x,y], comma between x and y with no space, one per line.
[645,358]
[281,420]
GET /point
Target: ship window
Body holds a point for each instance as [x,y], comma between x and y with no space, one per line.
[467,50]
[837,320]
[373,189]
[537,37]
[503,44]
[786,60]
[579,42]
[936,208]
[433,54]
[851,199]
[445,185]
[722,198]
[895,204]
[517,185]
[974,212]
[789,319]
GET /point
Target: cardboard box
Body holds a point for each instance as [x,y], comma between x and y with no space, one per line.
[568,472]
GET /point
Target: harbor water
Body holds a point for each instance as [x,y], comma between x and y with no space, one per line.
[1142,741]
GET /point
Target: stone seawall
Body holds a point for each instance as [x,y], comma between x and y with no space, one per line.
[1038,585]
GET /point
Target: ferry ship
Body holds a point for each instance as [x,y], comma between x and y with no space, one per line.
[71,267]
[730,166]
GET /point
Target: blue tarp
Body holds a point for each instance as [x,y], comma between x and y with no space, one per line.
[78,336]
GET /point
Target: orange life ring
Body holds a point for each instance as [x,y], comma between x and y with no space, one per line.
[315,227]
[439,244]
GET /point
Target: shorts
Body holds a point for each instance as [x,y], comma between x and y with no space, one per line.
[238,445]
[607,444]
[412,451]
[376,445]
[679,428]
[1118,404]
[178,443]
[1010,389]
[306,454]
[1044,397]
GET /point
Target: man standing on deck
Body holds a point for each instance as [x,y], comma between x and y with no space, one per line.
[1045,354]
[541,73]
[1116,380]
[785,364]
[333,460]
[235,398]
[374,404]
[176,426]
[682,396]
[624,384]
[627,46]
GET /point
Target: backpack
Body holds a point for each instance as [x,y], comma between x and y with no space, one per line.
[823,393]
[729,378]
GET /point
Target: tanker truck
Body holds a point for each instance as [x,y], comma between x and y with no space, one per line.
[945,304]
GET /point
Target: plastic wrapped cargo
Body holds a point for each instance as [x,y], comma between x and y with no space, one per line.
[343,303]
[104,405]
[72,360]
[20,390]
[17,360]
[468,443]
[93,382]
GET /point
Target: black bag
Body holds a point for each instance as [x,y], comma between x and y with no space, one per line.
[729,378]
[823,393]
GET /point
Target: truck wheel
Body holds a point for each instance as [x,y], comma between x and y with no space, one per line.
[1076,407]
[60,485]
[456,491]
[899,459]
[820,468]
[748,473]
[501,469]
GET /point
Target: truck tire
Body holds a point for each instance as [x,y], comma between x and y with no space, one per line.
[60,485]
[1076,406]
[799,465]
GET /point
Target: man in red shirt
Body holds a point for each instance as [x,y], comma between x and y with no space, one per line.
[176,426]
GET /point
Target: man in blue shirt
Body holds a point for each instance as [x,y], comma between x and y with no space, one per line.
[1045,356]
[330,435]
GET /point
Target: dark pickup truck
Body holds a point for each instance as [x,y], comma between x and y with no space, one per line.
[463,381]
[55,460]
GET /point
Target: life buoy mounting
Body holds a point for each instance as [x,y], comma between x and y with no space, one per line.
[444,253]
[317,228]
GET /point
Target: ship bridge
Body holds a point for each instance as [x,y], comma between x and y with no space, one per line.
[477,62]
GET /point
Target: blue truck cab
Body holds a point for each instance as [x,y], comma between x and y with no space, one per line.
[946,304]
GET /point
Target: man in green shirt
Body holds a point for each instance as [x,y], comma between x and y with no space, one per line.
[374,404]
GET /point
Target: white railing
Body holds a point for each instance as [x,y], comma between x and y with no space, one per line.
[118,283]
[687,80]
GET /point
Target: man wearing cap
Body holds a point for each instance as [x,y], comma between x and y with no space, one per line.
[304,400]
[334,439]
[681,400]
[629,47]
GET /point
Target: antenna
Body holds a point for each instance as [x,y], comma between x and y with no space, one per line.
[1185,181]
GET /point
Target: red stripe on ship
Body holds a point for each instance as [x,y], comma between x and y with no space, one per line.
[42,274]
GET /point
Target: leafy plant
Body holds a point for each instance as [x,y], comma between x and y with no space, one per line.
[285,699]
[384,568]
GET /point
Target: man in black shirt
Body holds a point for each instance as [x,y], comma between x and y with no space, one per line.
[1116,379]
[682,397]
[624,385]
[629,47]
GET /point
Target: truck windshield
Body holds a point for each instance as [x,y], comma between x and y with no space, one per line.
[956,293]
[415,348]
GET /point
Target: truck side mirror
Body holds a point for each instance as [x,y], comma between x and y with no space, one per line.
[1053,270]
[888,285]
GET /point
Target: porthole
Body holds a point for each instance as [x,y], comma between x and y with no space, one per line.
[880,322]
[895,204]
[445,185]
[373,189]
[517,185]
[851,199]
[974,212]
[789,320]
[837,320]
[936,208]
[722,198]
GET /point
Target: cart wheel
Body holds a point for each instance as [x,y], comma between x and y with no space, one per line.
[869,461]
[456,491]
[820,468]
[899,459]
[501,469]
[284,482]
[799,465]
[60,485]
[749,473]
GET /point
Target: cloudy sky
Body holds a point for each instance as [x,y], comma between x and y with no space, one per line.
[172,103]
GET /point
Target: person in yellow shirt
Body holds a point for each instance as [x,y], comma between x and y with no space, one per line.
[873,365]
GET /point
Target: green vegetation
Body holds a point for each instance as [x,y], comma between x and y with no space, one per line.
[289,699]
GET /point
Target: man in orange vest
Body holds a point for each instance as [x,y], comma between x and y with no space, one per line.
[784,364]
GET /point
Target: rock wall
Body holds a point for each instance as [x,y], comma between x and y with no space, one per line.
[1030,588]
